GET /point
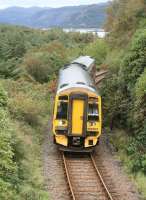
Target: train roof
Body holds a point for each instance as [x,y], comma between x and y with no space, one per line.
[75,75]
[85,61]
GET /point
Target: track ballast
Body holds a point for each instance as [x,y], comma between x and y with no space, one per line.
[84,178]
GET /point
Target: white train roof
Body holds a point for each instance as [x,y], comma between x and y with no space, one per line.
[86,61]
[75,75]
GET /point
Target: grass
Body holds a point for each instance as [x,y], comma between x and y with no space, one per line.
[119,139]
[29,110]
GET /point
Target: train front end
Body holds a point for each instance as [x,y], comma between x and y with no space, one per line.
[77,121]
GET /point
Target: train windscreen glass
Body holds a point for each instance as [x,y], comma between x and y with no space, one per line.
[93,114]
[62,109]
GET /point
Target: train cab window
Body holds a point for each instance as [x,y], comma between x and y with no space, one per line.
[93,114]
[81,83]
[64,85]
[62,109]
[63,97]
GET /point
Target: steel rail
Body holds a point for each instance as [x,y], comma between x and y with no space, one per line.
[101,179]
[68,178]
[99,79]
[109,196]
[100,73]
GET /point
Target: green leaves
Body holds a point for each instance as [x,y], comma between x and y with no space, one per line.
[8,167]
[10,69]
[12,44]
[124,17]
[125,91]
[140,87]
[29,59]
[44,64]
[98,50]
[3,97]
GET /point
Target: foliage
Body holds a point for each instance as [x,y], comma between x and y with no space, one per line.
[8,166]
[98,50]
[126,84]
[124,18]
[134,61]
[10,69]
[140,103]
[120,139]
[44,64]
[40,54]
[20,124]
[28,59]
[137,149]
[3,97]
[29,62]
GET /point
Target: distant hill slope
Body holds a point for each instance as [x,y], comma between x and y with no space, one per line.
[72,16]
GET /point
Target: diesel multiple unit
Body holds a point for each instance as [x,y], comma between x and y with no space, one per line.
[77,118]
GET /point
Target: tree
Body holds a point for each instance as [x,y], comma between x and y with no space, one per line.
[124,17]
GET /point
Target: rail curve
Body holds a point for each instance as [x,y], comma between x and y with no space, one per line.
[84,178]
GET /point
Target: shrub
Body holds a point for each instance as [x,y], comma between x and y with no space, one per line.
[134,61]
[27,102]
[43,65]
[8,167]
[98,50]
[3,97]
[20,172]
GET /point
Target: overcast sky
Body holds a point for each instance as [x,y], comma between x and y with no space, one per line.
[46,3]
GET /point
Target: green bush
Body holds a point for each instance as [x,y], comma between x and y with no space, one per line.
[98,50]
[134,61]
[43,65]
[8,167]
[20,172]
[3,97]
[10,69]
[125,90]
[28,59]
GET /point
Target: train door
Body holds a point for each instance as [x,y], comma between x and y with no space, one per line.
[77,116]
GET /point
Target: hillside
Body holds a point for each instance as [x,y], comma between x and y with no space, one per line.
[72,16]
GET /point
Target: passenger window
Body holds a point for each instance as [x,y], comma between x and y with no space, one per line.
[93,114]
[62,109]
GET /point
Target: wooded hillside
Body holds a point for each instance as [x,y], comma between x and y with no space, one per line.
[86,16]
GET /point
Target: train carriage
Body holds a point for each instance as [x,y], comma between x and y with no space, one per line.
[77,118]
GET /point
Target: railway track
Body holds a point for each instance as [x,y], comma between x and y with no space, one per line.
[99,76]
[84,178]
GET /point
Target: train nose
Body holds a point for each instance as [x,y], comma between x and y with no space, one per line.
[76,141]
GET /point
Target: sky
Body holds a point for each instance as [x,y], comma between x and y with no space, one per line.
[46,3]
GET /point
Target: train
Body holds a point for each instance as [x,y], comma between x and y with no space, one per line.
[77,115]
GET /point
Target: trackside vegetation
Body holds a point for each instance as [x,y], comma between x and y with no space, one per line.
[29,63]
[124,90]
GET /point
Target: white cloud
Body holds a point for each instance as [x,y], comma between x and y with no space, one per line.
[46,3]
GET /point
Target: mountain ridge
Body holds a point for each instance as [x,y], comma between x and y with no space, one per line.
[83,16]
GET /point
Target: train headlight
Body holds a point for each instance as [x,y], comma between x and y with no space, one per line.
[60,123]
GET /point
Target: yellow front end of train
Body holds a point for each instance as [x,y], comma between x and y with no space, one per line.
[77,118]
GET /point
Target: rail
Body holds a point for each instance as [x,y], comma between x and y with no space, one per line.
[78,166]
